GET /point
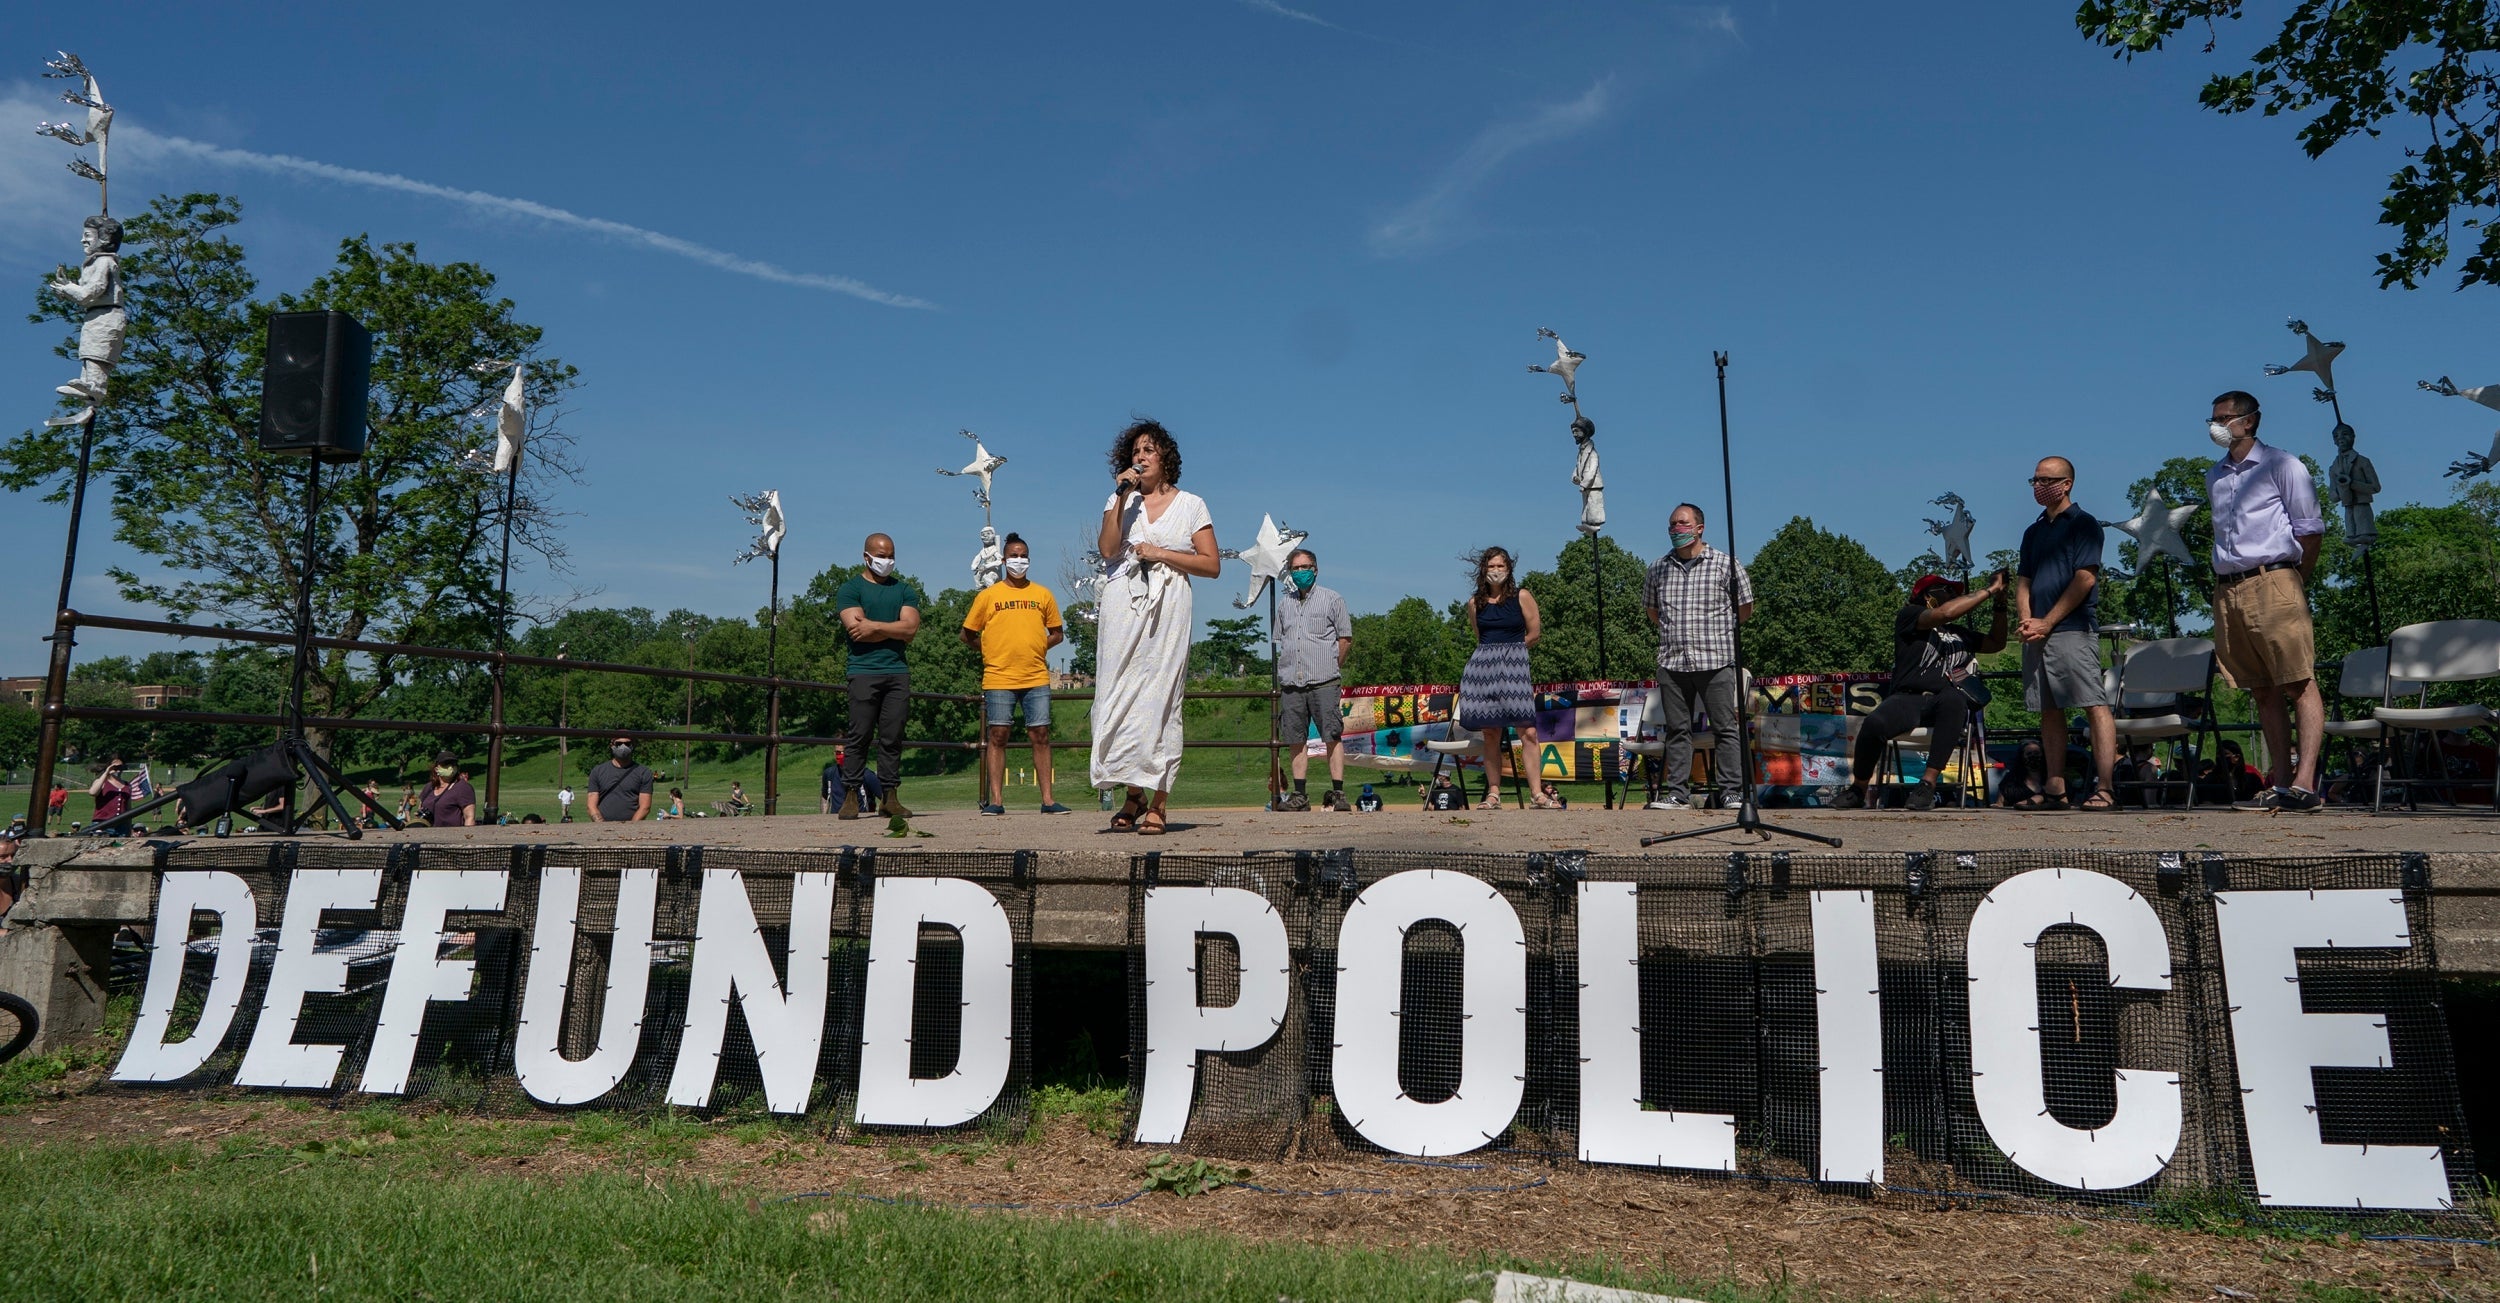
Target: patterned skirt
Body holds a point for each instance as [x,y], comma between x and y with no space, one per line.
[1494,691]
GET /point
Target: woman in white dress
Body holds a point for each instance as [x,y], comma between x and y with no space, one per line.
[1155,538]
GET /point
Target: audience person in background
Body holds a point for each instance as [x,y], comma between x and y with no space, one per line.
[1494,693]
[1312,636]
[880,614]
[620,790]
[564,803]
[112,795]
[2267,531]
[1013,624]
[373,793]
[1155,538]
[2059,594]
[1932,655]
[2230,777]
[738,802]
[872,792]
[410,811]
[2135,778]
[1554,796]
[9,884]
[676,807]
[2025,783]
[449,801]
[1697,595]
[59,804]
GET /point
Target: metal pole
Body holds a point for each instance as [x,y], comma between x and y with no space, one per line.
[685,749]
[1275,705]
[772,695]
[1597,562]
[503,639]
[64,637]
[2369,578]
[1744,739]
[293,727]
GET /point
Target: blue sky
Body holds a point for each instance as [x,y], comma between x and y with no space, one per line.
[1315,239]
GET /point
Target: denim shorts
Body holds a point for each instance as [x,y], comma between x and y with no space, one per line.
[998,706]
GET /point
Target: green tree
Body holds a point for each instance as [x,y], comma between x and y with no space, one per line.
[1409,643]
[19,724]
[2422,69]
[2432,563]
[406,536]
[1822,603]
[1234,648]
[1566,600]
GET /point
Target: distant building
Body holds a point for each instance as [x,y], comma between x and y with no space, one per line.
[143,696]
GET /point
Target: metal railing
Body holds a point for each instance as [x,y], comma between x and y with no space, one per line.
[57,709]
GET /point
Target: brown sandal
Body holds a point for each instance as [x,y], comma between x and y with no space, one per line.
[1150,823]
[1125,820]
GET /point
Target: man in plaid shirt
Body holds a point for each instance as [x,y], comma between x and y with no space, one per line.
[1688,594]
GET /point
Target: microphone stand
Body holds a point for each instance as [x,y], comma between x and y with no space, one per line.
[1748,819]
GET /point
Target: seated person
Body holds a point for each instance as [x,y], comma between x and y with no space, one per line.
[1931,684]
[2139,774]
[738,802]
[2026,782]
[676,807]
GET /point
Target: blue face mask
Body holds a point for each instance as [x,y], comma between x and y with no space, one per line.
[1682,539]
[1303,579]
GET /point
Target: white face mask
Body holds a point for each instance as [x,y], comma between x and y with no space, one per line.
[2220,434]
[1017,565]
[881,566]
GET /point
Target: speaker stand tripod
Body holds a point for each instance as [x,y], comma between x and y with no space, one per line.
[1748,819]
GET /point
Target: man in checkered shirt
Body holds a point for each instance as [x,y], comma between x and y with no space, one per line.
[1688,597]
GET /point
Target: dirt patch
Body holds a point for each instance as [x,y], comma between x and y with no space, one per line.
[1895,1247]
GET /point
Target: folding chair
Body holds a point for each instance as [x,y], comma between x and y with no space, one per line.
[2439,651]
[1972,755]
[2363,677]
[2161,676]
[1460,746]
[1646,742]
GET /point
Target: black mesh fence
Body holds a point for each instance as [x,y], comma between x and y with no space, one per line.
[1883,1068]
[1730,1003]
[472,1049]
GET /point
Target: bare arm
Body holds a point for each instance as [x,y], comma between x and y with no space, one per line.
[1995,641]
[1201,560]
[1108,543]
[2309,556]
[1536,622]
[642,807]
[1946,612]
[2077,589]
[972,637]
[1058,634]
[906,628]
[1744,613]
[1344,645]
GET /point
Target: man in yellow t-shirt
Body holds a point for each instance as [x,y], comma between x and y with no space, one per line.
[1014,622]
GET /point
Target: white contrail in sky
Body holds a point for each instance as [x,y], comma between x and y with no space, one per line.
[1431,221]
[1272,7]
[479,199]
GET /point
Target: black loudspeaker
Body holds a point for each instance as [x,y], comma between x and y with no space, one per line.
[312,388]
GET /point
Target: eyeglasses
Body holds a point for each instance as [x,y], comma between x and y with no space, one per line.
[2038,480]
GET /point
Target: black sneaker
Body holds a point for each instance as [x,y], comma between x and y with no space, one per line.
[1293,803]
[1920,797]
[1850,798]
[2297,800]
[993,809]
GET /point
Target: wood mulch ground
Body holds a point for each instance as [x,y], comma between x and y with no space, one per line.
[1895,1247]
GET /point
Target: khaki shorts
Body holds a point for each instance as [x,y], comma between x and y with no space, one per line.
[2262,637]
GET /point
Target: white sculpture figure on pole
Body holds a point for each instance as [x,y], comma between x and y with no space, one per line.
[1955,531]
[2156,529]
[1267,556]
[97,293]
[2354,483]
[2473,463]
[511,415]
[99,122]
[990,562]
[764,512]
[983,463]
[2318,359]
[1585,475]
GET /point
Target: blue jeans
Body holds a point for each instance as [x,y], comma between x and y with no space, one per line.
[998,706]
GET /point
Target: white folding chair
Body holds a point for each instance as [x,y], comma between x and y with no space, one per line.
[2159,677]
[2363,677]
[1646,740]
[1460,747]
[2438,651]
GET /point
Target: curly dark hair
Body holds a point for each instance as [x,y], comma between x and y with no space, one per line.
[1485,592]
[1146,427]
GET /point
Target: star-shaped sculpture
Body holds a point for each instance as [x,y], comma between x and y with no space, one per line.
[2318,360]
[983,462]
[2156,529]
[1266,557]
[1955,531]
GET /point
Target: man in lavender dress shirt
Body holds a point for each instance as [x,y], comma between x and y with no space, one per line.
[2267,530]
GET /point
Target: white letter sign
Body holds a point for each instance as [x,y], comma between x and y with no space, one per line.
[1493,1027]
[2278,1044]
[299,970]
[888,1094]
[2006,1077]
[730,959]
[1613,1126]
[419,973]
[1178,1028]
[1848,1038]
[178,897]
[545,1073]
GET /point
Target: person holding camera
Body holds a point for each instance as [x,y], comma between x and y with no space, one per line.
[1931,687]
[112,795]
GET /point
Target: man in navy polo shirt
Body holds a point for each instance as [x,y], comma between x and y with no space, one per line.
[2058,593]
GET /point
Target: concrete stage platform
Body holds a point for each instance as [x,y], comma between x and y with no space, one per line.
[82,891]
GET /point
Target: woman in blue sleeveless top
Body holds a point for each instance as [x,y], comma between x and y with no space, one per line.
[1494,692]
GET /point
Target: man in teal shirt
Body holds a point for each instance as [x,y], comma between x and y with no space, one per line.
[880,615]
